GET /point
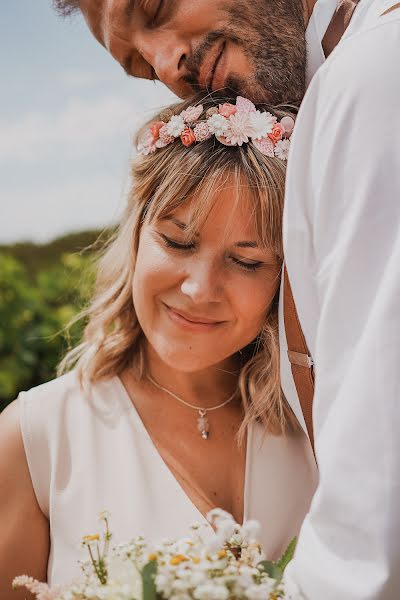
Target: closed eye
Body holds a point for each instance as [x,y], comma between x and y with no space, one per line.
[248,266]
[176,245]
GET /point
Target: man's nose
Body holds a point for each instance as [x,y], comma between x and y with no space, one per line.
[167,55]
[202,284]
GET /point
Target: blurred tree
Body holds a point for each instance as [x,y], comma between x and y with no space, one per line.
[34,315]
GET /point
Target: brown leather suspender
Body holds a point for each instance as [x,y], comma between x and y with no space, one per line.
[391,9]
[338,24]
[299,357]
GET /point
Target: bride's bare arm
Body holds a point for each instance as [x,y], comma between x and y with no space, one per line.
[24,530]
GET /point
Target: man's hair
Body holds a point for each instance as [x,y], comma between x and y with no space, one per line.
[66,7]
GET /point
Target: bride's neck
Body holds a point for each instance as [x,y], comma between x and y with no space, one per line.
[203,388]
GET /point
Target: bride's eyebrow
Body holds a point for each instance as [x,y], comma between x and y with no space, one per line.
[183,226]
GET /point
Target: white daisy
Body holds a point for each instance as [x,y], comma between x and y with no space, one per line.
[262,124]
[240,129]
[282,149]
[175,126]
[217,124]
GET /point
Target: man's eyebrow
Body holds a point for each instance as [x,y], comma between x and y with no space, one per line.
[126,63]
[129,9]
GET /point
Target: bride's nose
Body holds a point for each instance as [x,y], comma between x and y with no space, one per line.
[202,283]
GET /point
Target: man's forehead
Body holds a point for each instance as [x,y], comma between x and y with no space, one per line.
[104,15]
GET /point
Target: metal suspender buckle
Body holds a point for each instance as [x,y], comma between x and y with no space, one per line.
[300,359]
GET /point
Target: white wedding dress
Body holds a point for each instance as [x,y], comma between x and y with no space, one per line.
[89,451]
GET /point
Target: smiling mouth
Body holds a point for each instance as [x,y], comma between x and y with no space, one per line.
[217,78]
[209,66]
[192,321]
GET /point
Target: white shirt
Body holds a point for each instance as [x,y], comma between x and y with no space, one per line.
[342,248]
[316,29]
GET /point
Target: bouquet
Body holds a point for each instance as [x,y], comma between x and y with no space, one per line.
[230,567]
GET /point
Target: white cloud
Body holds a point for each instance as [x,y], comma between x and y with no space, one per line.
[76,130]
[64,167]
[50,210]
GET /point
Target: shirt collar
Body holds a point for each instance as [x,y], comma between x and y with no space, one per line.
[318,24]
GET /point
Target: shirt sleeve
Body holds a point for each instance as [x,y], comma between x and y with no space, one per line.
[349,546]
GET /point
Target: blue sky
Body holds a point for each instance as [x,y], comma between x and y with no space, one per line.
[67,115]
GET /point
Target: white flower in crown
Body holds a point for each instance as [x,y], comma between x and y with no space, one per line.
[282,149]
[175,126]
[218,125]
[240,129]
[262,124]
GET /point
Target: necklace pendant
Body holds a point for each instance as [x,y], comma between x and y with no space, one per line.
[203,425]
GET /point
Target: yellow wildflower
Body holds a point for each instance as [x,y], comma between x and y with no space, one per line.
[91,538]
[178,559]
[152,556]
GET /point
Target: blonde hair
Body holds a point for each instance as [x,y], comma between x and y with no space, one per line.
[162,181]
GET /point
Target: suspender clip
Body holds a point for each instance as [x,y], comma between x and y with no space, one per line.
[300,359]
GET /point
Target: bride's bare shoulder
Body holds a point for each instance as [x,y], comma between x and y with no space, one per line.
[12,454]
[24,541]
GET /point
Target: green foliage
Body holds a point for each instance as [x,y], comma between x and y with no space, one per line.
[277,569]
[36,305]
[288,555]
[39,257]
[149,587]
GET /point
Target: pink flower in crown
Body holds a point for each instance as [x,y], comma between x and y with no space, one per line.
[277,133]
[282,149]
[202,132]
[240,129]
[265,146]
[147,144]
[192,114]
[188,137]
[244,105]
[227,109]
[165,138]
[155,129]
[288,126]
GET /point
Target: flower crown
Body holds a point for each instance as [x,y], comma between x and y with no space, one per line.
[231,124]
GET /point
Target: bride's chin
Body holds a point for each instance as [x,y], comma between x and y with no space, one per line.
[185,360]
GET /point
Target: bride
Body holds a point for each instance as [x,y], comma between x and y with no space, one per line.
[172,404]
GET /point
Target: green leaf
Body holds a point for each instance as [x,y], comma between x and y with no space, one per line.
[287,555]
[271,568]
[149,586]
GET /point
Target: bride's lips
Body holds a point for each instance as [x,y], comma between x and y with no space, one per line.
[191,322]
[208,69]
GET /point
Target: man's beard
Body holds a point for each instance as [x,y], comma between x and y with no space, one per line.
[272,36]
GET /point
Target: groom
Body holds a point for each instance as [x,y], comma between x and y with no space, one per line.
[341,230]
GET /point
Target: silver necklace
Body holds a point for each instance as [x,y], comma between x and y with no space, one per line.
[202,422]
